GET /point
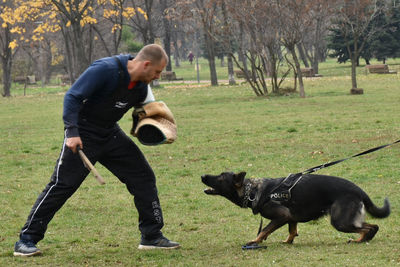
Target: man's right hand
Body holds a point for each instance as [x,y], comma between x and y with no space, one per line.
[73,142]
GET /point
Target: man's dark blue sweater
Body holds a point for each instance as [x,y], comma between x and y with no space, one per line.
[95,86]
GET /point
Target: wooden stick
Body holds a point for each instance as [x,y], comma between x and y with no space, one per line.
[90,167]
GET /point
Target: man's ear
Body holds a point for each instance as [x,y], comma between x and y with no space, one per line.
[146,63]
[239,178]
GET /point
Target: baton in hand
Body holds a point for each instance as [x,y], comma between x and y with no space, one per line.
[90,166]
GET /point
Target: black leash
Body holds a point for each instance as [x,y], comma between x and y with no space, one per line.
[328,164]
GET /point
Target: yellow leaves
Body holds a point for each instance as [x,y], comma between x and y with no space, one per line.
[39,29]
[110,13]
[56,57]
[43,16]
[87,20]
[142,12]
[116,27]
[44,27]
[13,44]
[128,12]
[17,29]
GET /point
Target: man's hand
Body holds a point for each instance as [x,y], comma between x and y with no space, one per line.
[73,142]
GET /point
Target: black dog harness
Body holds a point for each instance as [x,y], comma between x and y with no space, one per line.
[283,191]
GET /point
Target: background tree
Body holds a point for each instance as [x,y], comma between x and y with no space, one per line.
[313,41]
[386,42]
[202,14]
[144,25]
[354,19]
[6,51]
[293,25]
[227,41]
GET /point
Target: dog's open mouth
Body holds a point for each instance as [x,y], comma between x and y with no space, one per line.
[210,191]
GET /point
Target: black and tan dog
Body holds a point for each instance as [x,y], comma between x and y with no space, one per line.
[308,198]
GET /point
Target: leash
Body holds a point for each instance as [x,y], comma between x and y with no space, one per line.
[328,164]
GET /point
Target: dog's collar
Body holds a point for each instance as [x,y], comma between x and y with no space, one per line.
[247,195]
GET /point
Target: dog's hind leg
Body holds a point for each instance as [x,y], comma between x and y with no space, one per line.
[347,215]
[269,229]
[292,233]
[367,232]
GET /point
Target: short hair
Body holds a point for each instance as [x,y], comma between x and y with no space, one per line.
[152,52]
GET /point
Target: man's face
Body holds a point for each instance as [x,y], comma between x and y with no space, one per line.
[152,71]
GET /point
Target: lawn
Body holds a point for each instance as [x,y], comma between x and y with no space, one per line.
[219,129]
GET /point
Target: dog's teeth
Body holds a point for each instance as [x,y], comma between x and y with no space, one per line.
[209,191]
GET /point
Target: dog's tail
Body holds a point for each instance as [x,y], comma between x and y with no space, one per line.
[376,211]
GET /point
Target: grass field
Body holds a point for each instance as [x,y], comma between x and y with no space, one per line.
[219,129]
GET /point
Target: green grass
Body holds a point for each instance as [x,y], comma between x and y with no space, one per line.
[219,128]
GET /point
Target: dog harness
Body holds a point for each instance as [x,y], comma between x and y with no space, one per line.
[282,192]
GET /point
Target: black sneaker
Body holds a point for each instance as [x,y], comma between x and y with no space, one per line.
[26,248]
[159,243]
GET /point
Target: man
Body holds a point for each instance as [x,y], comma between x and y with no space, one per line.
[92,107]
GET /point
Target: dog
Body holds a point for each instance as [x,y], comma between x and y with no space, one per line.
[306,197]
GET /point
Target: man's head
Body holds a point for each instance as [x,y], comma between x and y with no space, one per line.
[151,61]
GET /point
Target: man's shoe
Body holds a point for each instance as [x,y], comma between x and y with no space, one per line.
[159,243]
[26,248]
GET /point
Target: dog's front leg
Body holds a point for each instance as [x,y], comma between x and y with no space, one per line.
[292,233]
[269,229]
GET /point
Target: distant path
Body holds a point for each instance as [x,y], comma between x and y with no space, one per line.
[201,81]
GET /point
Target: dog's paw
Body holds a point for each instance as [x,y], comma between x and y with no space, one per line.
[287,242]
[252,243]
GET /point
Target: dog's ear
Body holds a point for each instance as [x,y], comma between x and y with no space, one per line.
[239,178]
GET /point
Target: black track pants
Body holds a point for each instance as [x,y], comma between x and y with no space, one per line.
[119,154]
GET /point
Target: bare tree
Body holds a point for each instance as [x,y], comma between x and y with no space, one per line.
[354,18]
[144,24]
[207,13]
[167,31]
[313,41]
[227,41]
[294,18]
[258,39]
[207,10]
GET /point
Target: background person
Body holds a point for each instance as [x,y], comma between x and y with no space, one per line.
[190,57]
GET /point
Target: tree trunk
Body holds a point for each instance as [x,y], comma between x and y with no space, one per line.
[354,90]
[302,55]
[81,60]
[241,50]
[6,61]
[231,73]
[227,40]
[176,54]
[354,55]
[353,73]
[48,69]
[7,64]
[211,59]
[167,36]
[299,74]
